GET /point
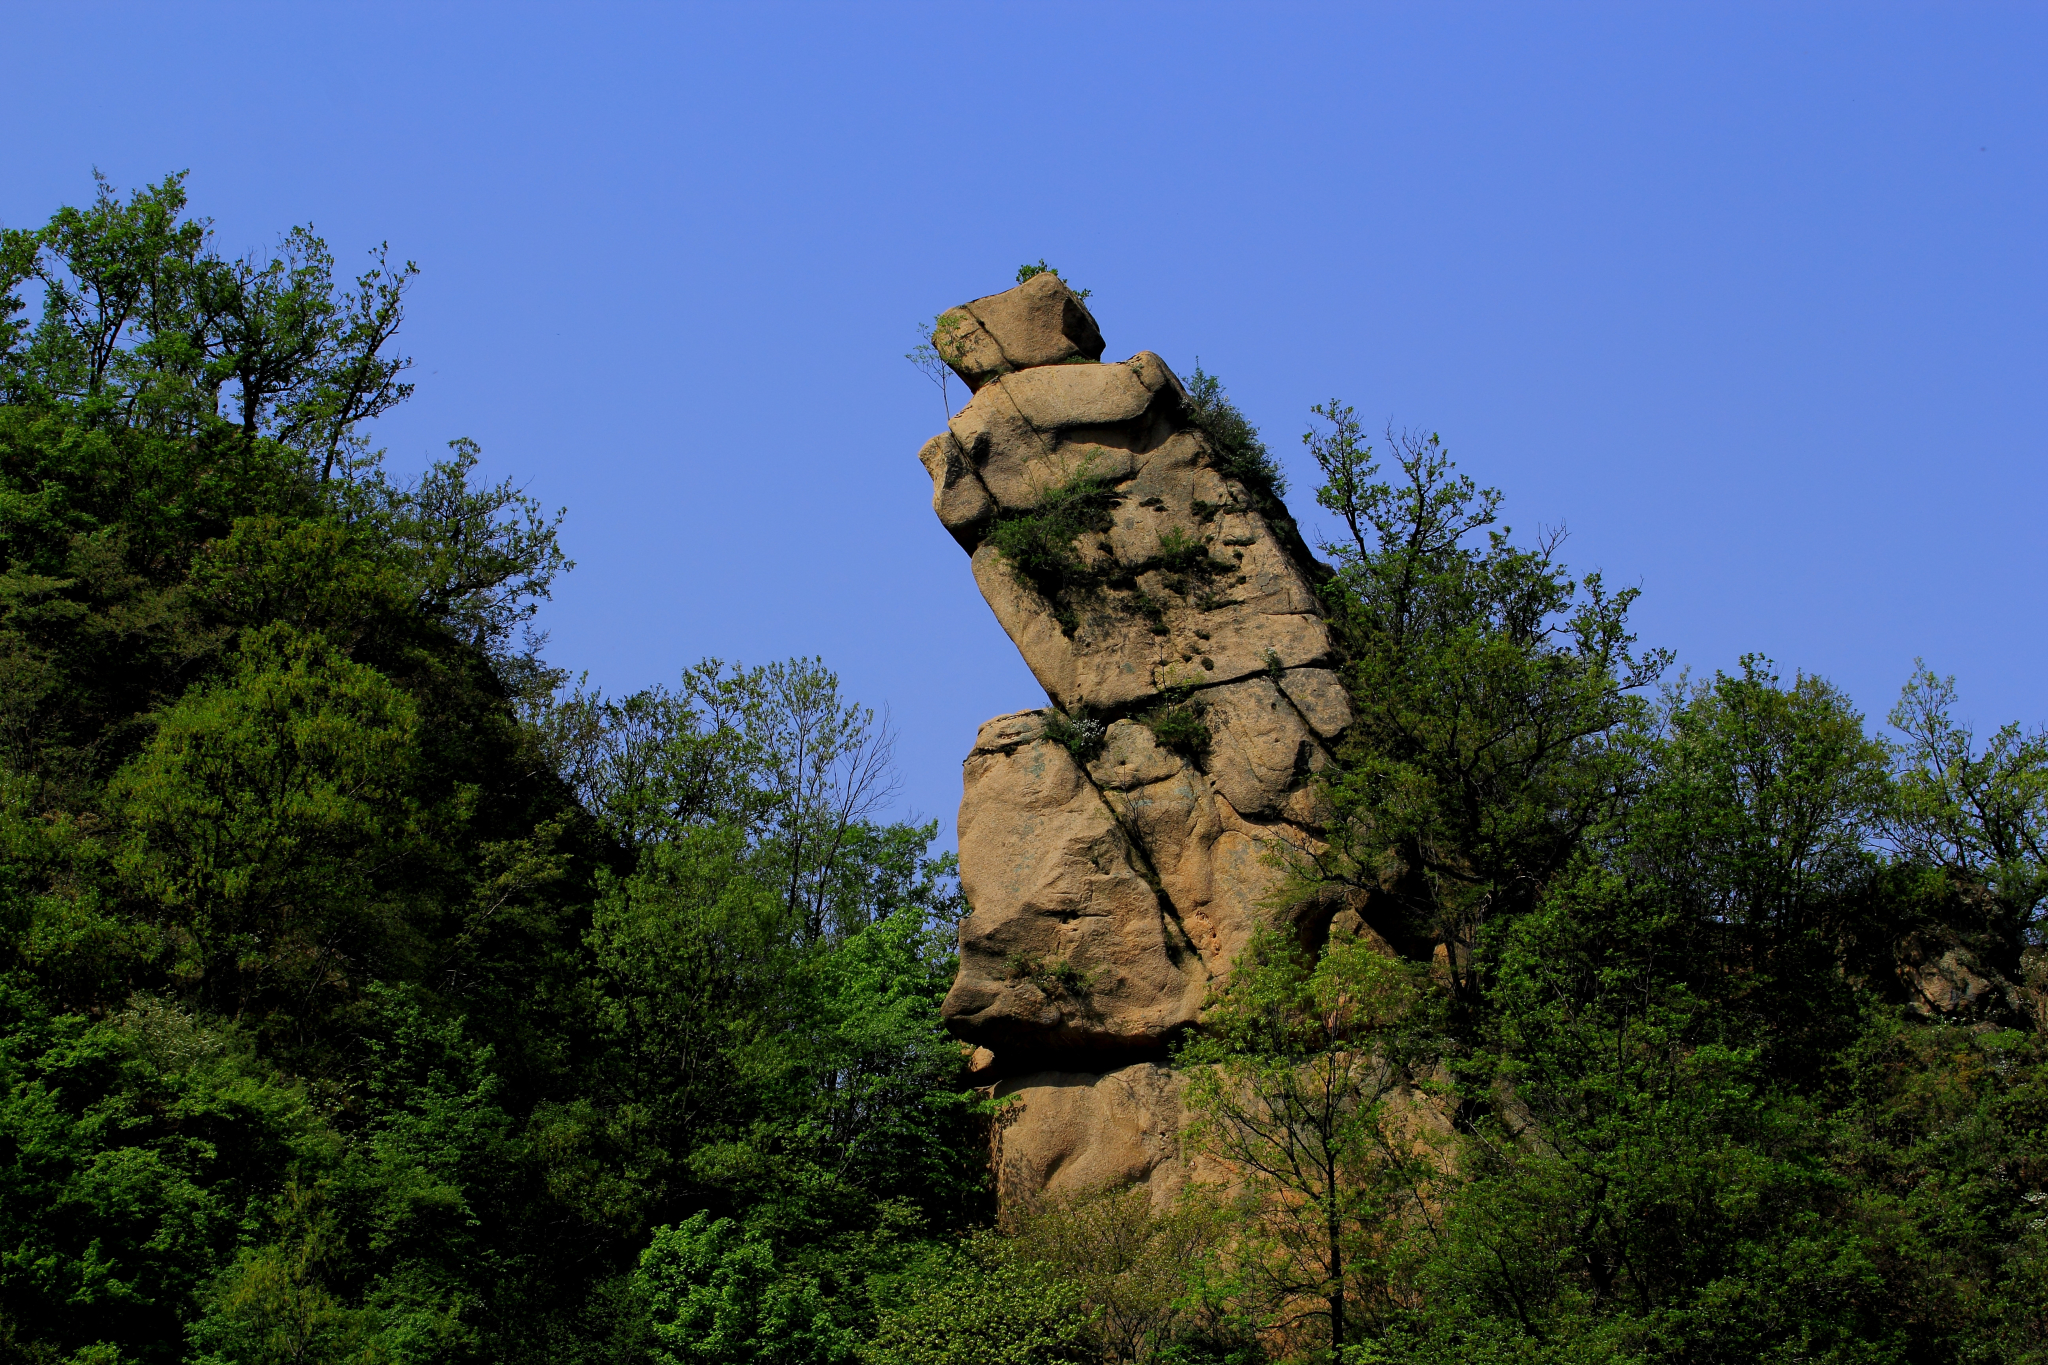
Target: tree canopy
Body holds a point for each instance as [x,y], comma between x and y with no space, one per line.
[366,992]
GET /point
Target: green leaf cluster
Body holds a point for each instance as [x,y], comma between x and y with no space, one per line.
[1240,451]
[1039,544]
[981,1303]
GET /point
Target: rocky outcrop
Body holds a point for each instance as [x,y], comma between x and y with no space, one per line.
[1068,1131]
[1040,322]
[1944,979]
[1113,846]
[1224,599]
[1070,947]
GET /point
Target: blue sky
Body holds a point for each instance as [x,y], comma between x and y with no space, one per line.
[1751,297]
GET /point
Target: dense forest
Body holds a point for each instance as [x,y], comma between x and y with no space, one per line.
[372,991]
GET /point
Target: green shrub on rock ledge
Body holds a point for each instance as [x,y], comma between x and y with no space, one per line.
[1039,544]
[1080,735]
[1179,726]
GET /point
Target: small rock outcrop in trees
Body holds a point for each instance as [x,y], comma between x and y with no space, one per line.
[1113,846]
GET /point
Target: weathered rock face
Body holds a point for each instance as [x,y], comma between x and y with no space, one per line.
[1040,322]
[1072,1130]
[1114,877]
[1069,947]
[1243,603]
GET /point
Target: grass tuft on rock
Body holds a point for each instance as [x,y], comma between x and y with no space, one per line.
[1039,544]
[1179,726]
[1081,735]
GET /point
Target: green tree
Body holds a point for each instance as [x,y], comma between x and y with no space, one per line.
[136,1147]
[1979,815]
[717,1297]
[980,1303]
[1147,1277]
[143,325]
[1306,1083]
[1642,1190]
[273,820]
[1494,698]
[773,751]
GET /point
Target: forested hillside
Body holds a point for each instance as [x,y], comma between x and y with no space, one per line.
[362,1001]
[372,992]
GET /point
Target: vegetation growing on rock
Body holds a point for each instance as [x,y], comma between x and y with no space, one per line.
[1080,735]
[1178,725]
[1039,543]
[1241,452]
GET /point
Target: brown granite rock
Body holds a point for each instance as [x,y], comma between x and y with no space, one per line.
[958,496]
[1211,864]
[1064,1132]
[1029,432]
[1261,751]
[1187,587]
[1318,693]
[1110,890]
[1040,322]
[1068,946]
[1952,983]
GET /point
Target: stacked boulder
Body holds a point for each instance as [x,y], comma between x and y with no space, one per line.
[1113,847]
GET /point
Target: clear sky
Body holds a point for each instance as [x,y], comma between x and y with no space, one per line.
[1751,297]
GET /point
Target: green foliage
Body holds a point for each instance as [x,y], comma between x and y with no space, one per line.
[1039,544]
[1302,1080]
[1186,556]
[1945,1132]
[1178,725]
[1240,453]
[716,1296]
[144,326]
[1147,1278]
[936,347]
[267,818]
[1027,270]
[773,752]
[1494,697]
[136,1148]
[1980,816]
[478,560]
[1041,548]
[367,995]
[1648,1078]
[1664,1195]
[362,998]
[1080,735]
[1056,976]
[980,1304]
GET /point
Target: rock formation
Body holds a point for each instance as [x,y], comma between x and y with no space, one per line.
[1112,846]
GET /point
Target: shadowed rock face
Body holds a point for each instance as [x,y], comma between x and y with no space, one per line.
[1074,1130]
[1111,882]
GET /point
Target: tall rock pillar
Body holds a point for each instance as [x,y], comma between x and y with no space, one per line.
[1112,846]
